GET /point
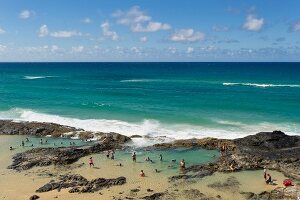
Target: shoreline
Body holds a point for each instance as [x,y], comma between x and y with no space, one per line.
[250,153]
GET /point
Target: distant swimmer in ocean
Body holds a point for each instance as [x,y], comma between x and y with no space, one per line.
[134,157]
[142,174]
[91,162]
[27,140]
[11,148]
[46,141]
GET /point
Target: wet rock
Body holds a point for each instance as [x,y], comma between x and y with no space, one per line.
[135,190]
[155,196]
[193,194]
[34,197]
[9,127]
[77,181]
[230,183]
[136,136]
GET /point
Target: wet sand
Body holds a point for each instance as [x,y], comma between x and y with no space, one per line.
[21,185]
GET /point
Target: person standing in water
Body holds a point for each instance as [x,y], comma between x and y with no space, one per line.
[160,157]
[41,141]
[134,157]
[23,144]
[265,173]
[182,164]
[91,162]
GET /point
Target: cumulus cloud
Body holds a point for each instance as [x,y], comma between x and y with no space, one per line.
[253,24]
[44,31]
[2,31]
[2,47]
[77,49]
[86,20]
[25,14]
[65,34]
[143,39]
[295,26]
[138,21]
[151,27]
[187,35]
[190,50]
[107,32]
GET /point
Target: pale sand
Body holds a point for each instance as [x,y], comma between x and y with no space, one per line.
[21,185]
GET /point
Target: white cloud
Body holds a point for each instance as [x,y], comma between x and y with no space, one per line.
[143,39]
[86,20]
[190,50]
[2,47]
[253,24]
[65,34]
[187,35]
[44,31]
[107,32]
[172,50]
[78,49]
[138,21]
[25,14]
[295,27]
[151,27]
[55,48]
[2,31]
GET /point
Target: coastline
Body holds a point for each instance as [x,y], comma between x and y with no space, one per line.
[244,181]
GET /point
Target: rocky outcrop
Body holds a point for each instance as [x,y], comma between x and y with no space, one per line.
[274,150]
[279,193]
[9,127]
[61,156]
[78,183]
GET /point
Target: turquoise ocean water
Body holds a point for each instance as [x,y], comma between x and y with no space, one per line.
[177,100]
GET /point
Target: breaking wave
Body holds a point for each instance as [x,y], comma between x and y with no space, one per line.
[261,85]
[157,131]
[37,77]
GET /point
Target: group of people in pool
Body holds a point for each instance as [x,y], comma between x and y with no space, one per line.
[111,154]
[41,142]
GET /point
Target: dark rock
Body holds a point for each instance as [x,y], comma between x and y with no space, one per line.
[155,196]
[149,190]
[135,190]
[230,183]
[76,181]
[34,197]
[193,194]
[136,136]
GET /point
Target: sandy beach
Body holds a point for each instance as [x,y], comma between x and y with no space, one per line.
[22,185]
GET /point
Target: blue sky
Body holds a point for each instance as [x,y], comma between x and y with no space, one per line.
[149,30]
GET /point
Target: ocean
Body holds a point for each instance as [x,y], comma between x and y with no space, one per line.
[173,100]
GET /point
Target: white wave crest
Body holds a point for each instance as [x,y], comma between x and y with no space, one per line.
[37,77]
[138,80]
[261,85]
[153,129]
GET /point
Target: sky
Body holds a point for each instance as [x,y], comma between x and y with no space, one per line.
[149,30]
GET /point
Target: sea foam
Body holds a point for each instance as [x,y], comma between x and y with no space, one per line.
[261,85]
[37,77]
[153,129]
